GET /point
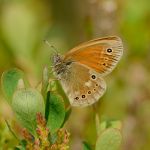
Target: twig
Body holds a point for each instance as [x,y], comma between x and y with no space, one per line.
[97,120]
[12,132]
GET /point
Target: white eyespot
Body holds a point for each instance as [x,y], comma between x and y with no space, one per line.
[88,84]
[76,92]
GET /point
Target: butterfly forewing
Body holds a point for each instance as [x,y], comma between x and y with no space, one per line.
[101,55]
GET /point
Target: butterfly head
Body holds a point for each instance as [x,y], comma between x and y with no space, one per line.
[57,59]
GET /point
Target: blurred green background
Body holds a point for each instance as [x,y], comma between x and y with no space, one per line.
[65,23]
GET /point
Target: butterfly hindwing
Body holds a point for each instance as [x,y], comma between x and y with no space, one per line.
[82,85]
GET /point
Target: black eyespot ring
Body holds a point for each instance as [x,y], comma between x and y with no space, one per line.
[109,50]
[89,92]
[83,96]
[94,89]
[96,84]
[104,64]
[93,77]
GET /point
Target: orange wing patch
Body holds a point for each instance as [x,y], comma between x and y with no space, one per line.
[89,56]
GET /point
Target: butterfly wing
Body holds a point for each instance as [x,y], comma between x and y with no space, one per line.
[82,85]
[101,55]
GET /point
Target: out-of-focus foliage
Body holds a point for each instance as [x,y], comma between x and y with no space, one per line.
[24,24]
[110,139]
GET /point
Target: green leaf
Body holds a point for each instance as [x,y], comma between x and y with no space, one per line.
[109,139]
[56,112]
[47,105]
[17,148]
[45,82]
[67,114]
[116,124]
[22,145]
[86,146]
[110,124]
[10,81]
[52,86]
[26,103]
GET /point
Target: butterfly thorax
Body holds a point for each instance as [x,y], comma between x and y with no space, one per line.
[59,65]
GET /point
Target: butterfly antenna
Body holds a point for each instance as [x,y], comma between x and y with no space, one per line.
[53,48]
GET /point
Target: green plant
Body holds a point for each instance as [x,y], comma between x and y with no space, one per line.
[42,114]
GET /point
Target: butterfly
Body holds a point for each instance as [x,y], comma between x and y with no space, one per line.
[81,70]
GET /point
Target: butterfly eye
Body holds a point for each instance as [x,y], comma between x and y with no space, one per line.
[109,50]
[93,77]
